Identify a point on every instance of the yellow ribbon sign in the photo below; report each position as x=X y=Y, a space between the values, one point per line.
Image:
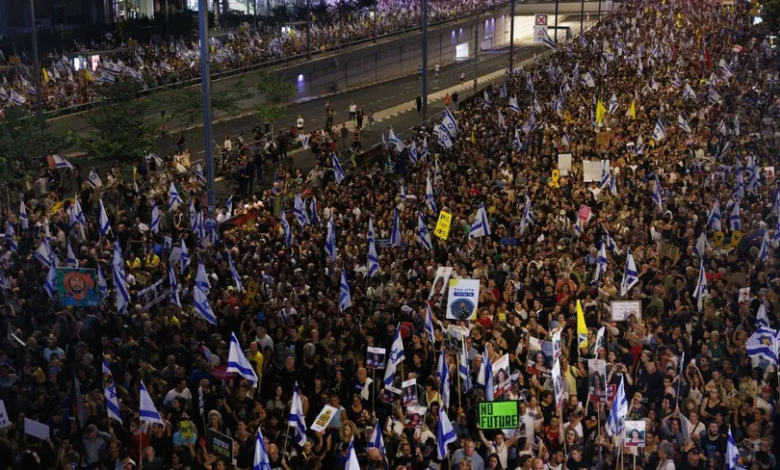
x=556 y=175
x=443 y=225
x=718 y=239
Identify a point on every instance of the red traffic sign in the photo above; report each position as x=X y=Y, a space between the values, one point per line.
x=541 y=20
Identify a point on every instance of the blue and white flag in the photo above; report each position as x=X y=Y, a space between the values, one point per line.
x=683 y=124
x=17 y=99
x=445 y=434
x=376 y=440
x=514 y=105
x=70 y=259
x=485 y=376
x=121 y=295
x=202 y=306
x=112 y=402
x=202 y=279
x=174 y=286
x=77 y=215
x=613 y=104
x=763 y=252
x=397 y=354
x=423 y=235
x=297 y=418
x=732 y=454
x=50 y=283
x=735 y=219
x=528 y=215
x=530 y=124
x=700 y=248
x=424 y=148
x=338 y=171
x=616 y=419
x=630 y=275
x=352 y=460
x=714 y=219
x=384 y=141
x=676 y=82
x=315 y=218
x=762 y=317
x=345 y=297
x=94 y=179
x=45 y=254
x=156 y=218
x=287 y=232
x=702 y=289
x=443 y=374
x=202 y=176
x=714 y=98
x=659 y=133
x=486 y=98
x=103 y=225
x=430 y=199
x=501 y=122
x=658 y=197
x=4 y=284
x=174 y=200
x=373 y=259
x=393 y=138
x=549 y=42
x=185 y=258
x=261 y=461
x=578 y=230
x=502 y=95
x=234 y=273
x=463 y=368
x=238 y=363
x=60 y=161
x=193 y=215
x=518 y=143
x=330 y=241
x=763 y=345
x=445 y=139
x=413 y=153
x=148 y=413
x=395 y=233
x=601 y=261
x=102 y=284
x=428 y=323
x=604 y=180
x=23 y=216
x=722 y=127
x=449 y=124
x=480 y=226
x=587 y=80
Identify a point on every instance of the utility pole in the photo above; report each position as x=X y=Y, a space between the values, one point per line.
x=38 y=94
x=556 y=21
x=308 y=29
x=203 y=13
x=216 y=14
x=599 y=18
x=582 y=16
x=425 y=59
x=376 y=17
x=476 y=51
x=511 y=37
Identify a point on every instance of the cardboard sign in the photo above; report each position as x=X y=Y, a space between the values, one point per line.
x=604 y=138
x=78 y=287
x=442 y=229
x=463 y=299
x=564 y=163
x=667 y=250
x=220 y=445
x=584 y=213
x=324 y=418
x=498 y=415
x=36 y=429
x=591 y=171
x=622 y=309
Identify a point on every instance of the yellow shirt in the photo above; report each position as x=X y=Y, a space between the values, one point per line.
x=258 y=358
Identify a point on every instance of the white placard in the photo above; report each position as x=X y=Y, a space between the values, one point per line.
x=36 y=429
x=564 y=163
x=375 y=358
x=324 y=418
x=622 y=309
x=463 y=299
x=591 y=170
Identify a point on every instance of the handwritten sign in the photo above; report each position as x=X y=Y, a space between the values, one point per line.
x=443 y=225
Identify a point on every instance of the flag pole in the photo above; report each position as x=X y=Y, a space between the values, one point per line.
x=373 y=395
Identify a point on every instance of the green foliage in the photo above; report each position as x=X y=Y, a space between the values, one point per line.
x=276 y=93
x=25 y=141
x=770 y=13
x=121 y=130
x=185 y=105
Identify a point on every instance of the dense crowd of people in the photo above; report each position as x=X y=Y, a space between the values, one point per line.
x=615 y=203
x=175 y=60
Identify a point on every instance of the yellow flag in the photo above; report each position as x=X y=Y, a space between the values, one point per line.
x=473 y=137
x=600 y=112
x=582 y=330
x=89 y=76
x=632 y=110
x=45 y=76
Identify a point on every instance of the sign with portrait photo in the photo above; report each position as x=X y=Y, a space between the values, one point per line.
x=635 y=433
x=540 y=357
x=375 y=358
x=77 y=287
x=409 y=389
x=440 y=283
x=502 y=381
x=415 y=415
x=597 y=380
x=463 y=299
x=557 y=379
x=623 y=309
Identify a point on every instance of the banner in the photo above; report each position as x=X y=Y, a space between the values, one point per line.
x=77 y=287
x=323 y=419
x=622 y=309
x=498 y=415
x=219 y=445
x=463 y=299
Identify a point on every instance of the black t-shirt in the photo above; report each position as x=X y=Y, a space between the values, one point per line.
x=711 y=446
x=685 y=465
x=242 y=408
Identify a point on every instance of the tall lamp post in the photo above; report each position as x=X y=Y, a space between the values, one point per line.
x=556 y=21
x=38 y=97
x=308 y=29
x=425 y=59
x=203 y=14
x=511 y=37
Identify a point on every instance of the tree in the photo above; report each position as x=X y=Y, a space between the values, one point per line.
x=185 y=105
x=276 y=93
x=770 y=12
x=25 y=141
x=122 y=130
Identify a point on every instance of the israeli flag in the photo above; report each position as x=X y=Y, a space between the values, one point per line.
x=17 y=99
x=298 y=419
x=148 y=412
x=480 y=227
x=121 y=295
x=700 y=248
x=630 y=274
x=578 y=228
x=424 y=149
x=516 y=140
x=587 y=80
x=732 y=451
x=503 y=91
x=601 y=262
x=736 y=125
x=10 y=233
x=94 y=179
x=617 y=417
x=443 y=374
x=393 y=138
x=102 y=284
x=514 y=105
x=376 y=440
x=537 y=107
x=683 y=124
x=735 y=218
x=70 y=260
x=185 y=258
x=613 y=104
x=397 y=354
x=604 y=174
x=528 y=215
x=45 y=254
x=173 y=197
x=676 y=82
x=659 y=133
x=688 y=92
x=722 y=127
x=315 y=218
x=423 y=236
x=103 y=224
x=714 y=98
x=428 y=325
x=77 y=215
x=639 y=148
x=345 y=298
x=449 y=123
x=485 y=376
x=445 y=140
x=286 y=231
x=701 y=287
x=725 y=69
x=530 y=125
x=714 y=219
x=200 y=175
x=373 y=259
x=261 y=461
x=658 y=198
x=762 y=318
x=330 y=241
x=156 y=218
x=763 y=253
x=445 y=434
x=304 y=139
x=174 y=286
x=549 y=42
x=201 y=304
x=463 y=368
x=50 y=283
x=238 y=363
x=338 y=170
x=23 y=216
x=430 y=199
x=486 y=98
x=112 y=402
x=395 y=234
x=613 y=186
x=763 y=344
x=384 y=141
x=201 y=279
x=413 y=152
x=501 y=122
x=193 y=217
x=352 y=460
x=3 y=281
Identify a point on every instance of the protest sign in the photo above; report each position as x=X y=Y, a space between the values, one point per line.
x=463 y=299
x=77 y=287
